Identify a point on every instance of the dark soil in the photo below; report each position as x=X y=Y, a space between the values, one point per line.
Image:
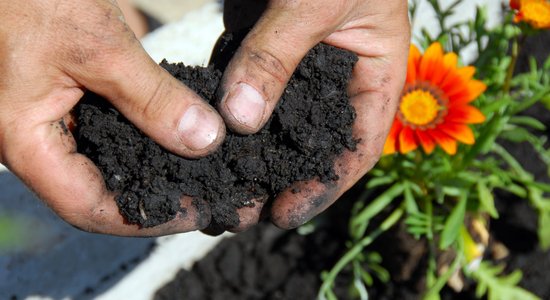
x=264 y=263
x=309 y=128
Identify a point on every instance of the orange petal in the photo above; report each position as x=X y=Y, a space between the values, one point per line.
x=448 y=65
x=412 y=64
x=460 y=132
x=452 y=83
x=459 y=84
x=390 y=146
x=466 y=73
x=407 y=142
x=414 y=54
x=426 y=141
x=465 y=114
x=447 y=143
x=474 y=88
x=450 y=60
x=431 y=63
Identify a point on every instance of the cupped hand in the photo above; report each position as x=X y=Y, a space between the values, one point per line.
x=50 y=53
x=377 y=31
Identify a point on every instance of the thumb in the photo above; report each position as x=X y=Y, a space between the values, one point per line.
x=259 y=71
x=159 y=105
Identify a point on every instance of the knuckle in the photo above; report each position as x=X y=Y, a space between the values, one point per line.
x=269 y=64
x=155 y=104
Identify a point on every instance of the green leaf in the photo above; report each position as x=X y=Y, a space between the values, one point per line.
x=453 y=223
x=539 y=96
x=493 y=106
x=545 y=187
x=378 y=204
x=486 y=138
x=490 y=281
x=379 y=181
x=486 y=199
x=546 y=65
x=358 y=282
x=516 y=134
x=410 y=203
x=544 y=230
x=528 y=121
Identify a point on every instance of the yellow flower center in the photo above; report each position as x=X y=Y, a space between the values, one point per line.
x=537 y=13
x=419 y=107
x=422 y=106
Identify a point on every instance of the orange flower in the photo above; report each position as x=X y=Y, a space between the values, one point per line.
x=435 y=104
x=534 y=12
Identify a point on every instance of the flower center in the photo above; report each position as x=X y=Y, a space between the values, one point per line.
x=422 y=106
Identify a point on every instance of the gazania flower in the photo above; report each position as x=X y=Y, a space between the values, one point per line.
x=534 y=12
x=435 y=104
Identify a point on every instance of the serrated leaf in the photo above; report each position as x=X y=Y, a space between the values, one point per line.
x=496 y=286
x=453 y=223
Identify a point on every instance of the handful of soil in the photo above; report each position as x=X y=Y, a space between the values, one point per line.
x=310 y=127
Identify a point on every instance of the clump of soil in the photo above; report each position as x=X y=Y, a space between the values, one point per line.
x=309 y=128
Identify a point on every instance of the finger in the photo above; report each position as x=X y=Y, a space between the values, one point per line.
x=44 y=157
x=375 y=103
x=248 y=216
x=259 y=71
x=116 y=67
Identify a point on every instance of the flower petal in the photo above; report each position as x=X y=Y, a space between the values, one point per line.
x=447 y=143
x=430 y=65
x=407 y=142
x=465 y=114
x=450 y=60
x=390 y=146
x=474 y=88
x=427 y=143
x=412 y=64
x=462 y=133
x=459 y=83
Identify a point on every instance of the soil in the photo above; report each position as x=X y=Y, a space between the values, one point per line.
x=309 y=128
x=267 y=263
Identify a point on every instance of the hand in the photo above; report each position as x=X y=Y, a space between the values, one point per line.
x=50 y=53
x=377 y=31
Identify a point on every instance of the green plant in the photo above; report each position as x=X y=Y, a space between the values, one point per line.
x=439 y=193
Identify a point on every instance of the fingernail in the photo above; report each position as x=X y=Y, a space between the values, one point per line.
x=246 y=105
x=199 y=127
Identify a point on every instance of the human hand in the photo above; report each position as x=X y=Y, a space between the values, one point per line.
x=50 y=53
x=378 y=32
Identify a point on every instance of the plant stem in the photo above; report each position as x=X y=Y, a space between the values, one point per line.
x=391 y=220
x=517 y=44
x=430 y=276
